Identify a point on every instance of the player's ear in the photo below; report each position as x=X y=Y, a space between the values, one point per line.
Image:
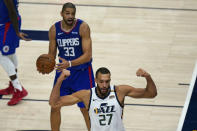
x=96 y=80
x=61 y=13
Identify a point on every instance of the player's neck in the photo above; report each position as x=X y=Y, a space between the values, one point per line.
x=67 y=27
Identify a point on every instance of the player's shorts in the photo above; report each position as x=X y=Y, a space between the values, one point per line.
x=78 y=80
x=9 y=41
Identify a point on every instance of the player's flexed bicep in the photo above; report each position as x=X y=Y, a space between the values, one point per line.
x=126 y=90
x=149 y=92
x=134 y=92
x=52 y=41
x=63 y=101
x=68 y=100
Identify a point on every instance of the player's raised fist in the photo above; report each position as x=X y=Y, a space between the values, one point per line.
x=142 y=73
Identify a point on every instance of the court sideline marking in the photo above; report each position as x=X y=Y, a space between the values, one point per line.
x=113 y=6
x=42 y=100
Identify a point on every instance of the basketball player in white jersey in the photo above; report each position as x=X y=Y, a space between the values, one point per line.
x=104 y=102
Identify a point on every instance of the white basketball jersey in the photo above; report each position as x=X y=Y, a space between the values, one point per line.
x=105 y=114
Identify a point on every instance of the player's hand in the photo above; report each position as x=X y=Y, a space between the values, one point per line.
x=63 y=65
x=142 y=73
x=23 y=36
x=65 y=73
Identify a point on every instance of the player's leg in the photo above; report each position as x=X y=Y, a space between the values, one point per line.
x=14 y=60
x=55 y=116
x=85 y=80
x=3 y=49
x=9 y=42
x=20 y=91
x=14 y=77
x=84 y=111
x=55 y=119
x=9 y=65
x=10 y=68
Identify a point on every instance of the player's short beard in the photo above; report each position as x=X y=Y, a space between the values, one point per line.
x=103 y=94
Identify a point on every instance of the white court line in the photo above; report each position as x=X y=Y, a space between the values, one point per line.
x=189 y=93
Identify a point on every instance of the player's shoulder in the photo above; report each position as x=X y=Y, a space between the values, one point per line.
x=84 y=29
x=84 y=25
x=52 y=32
x=52 y=28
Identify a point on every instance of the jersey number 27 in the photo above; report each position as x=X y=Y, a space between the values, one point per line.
x=103 y=119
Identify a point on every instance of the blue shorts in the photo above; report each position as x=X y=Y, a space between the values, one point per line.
x=9 y=41
x=78 y=80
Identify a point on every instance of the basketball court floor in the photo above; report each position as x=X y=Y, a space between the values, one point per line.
x=156 y=35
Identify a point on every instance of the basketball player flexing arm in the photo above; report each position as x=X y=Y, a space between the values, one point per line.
x=72 y=38
x=10 y=23
x=104 y=102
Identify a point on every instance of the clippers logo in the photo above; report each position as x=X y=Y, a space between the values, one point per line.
x=6 y=49
x=68 y=42
x=104 y=108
